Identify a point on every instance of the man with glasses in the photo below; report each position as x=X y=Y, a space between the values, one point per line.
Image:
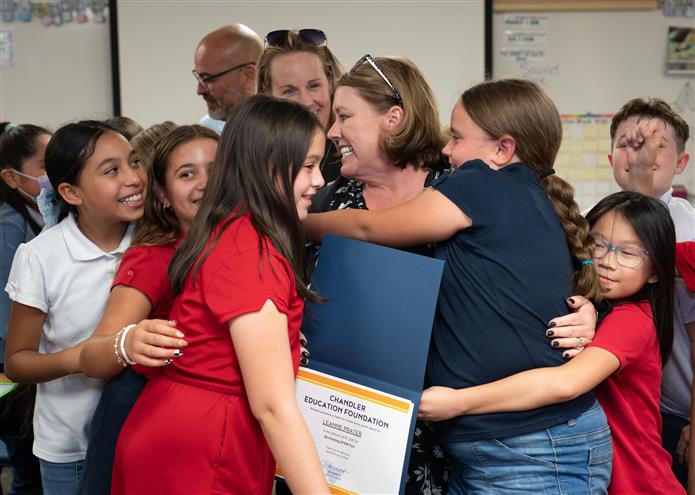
x=225 y=68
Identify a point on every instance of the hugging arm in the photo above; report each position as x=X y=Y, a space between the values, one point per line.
x=523 y=391
x=429 y=217
x=149 y=343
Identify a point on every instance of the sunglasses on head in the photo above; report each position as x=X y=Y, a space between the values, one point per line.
x=281 y=36
x=368 y=59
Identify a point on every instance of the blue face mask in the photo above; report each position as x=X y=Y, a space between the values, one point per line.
x=37 y=179
x=48 y=203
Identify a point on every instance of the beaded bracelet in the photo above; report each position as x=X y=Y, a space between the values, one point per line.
x=124 y=333
x=119 y=359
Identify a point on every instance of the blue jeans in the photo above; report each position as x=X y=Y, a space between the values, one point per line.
x=571 y=458
x=60 y=478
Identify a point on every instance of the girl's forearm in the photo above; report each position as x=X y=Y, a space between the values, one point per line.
x=523 y=391
x=29 y=366
x=293 y=449
x=98 y=357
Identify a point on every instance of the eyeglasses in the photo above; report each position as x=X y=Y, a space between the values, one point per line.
x=281 y=37
x=627 y=256
x=205 y=79
x=368 y=58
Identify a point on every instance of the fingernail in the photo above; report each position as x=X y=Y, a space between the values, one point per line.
x=178 y=353
x=305 y=354
x=549 y=333
x=551 y=324
x=570 y=300
x=168 y=361
x=304 y=361
x=302 y=341
x=179 y=334
x=565 y=355
x=182 y=343
x=173 y=322
x=555 y=343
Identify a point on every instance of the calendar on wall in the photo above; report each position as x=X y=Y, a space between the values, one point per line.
x=583 y=157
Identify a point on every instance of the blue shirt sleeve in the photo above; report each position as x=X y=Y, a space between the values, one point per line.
x=11 y=236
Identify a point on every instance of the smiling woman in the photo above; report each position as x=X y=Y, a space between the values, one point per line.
x=299 y=66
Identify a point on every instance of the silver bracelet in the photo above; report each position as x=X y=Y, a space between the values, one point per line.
x=124 y=354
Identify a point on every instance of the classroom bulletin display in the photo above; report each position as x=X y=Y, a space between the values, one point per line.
x=583 y=157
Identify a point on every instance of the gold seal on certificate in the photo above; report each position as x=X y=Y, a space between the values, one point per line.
x=361 y=434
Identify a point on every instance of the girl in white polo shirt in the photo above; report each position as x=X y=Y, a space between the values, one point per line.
x=59 y=284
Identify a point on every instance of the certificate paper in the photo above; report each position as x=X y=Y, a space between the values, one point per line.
x=361 y=434
x=368 y=345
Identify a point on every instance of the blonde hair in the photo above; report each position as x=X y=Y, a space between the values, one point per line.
x=522 y=110
x=143 y=142
x=294 y=44
x=418 y=139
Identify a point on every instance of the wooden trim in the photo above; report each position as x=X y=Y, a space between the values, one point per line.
x=568 y=5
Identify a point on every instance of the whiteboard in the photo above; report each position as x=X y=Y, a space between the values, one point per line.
x=596 y=61
x=60 y=74
x=157 y=39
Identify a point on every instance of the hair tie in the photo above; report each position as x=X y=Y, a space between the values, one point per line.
x=550 y=172
x=9 y=127
x=587 y=262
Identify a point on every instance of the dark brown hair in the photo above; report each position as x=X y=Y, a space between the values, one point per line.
x=651 y=109
x=158 y=225
x=262 y=149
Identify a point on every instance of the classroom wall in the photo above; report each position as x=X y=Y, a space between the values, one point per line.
x=593 y=63
x=157 y=40
x=60 y=74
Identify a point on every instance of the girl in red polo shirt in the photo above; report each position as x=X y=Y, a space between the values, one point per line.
x=633 y=256
x=219 y=417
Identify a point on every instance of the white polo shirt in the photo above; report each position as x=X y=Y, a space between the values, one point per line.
x=66 y=276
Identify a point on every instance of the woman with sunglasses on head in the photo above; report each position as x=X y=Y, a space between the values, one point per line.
x=298 y=65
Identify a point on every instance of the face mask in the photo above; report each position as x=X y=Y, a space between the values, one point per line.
x=41 y=179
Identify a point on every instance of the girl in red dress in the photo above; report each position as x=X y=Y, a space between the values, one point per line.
x=217 y=419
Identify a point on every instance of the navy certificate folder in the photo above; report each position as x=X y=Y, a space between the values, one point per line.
x=375 y=326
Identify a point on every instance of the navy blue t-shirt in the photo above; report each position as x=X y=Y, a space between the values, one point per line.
x=504 y=278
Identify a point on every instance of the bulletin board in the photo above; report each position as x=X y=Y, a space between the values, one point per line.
x=591 y=63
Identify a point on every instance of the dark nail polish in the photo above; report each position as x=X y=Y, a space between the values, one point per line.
x=178 y=353
x=168 y=361
x=570 y=300
x=565 y=355
x=304 y=361
x=305 y=354
x=302 y=341
x=551 y=324
x=549 y=333
x=555 y=343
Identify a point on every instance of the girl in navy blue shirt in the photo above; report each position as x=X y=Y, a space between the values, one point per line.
x=515 y=246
